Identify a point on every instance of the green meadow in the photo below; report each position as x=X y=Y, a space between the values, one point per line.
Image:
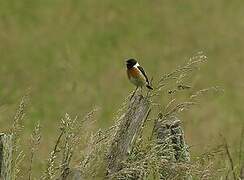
x=70 y=57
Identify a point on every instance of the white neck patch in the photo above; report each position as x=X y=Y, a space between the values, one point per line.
x=136 y=65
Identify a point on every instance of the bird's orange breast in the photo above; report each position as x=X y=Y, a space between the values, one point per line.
x=133 y=73
x=136 y=77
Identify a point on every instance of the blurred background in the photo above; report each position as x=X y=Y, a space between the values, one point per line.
x=70 y=54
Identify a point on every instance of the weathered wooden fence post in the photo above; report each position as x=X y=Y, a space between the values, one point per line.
x=169 y=131
x=6 y=152
x=130 y=125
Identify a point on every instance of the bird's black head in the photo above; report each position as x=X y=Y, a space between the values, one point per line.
x=130 y=63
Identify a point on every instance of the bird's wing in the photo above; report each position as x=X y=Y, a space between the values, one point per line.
x=143 y=72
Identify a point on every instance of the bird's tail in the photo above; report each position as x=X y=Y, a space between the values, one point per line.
x=149 y=87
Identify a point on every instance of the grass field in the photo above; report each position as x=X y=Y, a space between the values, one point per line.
x=70 y=56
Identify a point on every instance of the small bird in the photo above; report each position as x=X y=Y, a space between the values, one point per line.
x=137 y=75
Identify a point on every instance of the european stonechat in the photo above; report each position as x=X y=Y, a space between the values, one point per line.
x=137 y=75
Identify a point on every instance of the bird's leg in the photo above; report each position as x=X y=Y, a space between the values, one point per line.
x=134 y=93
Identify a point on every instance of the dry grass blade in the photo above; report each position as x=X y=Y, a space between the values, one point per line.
x=70 y=136
x=51 y=168
x=181 y=72
x=204 y=91
x=93 y=154
x=35 y=141
x=71 y=139
x=179 y=108
x=18 y=154
x=229 y=158
x=19 y=116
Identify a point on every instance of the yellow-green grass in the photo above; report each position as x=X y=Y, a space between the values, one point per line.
x=70 y=54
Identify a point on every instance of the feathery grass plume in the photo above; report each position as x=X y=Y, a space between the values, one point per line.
x=34 y=142
x=67 y=145
x=91 y=157
x=16 y=129
x=92 y=163
x=176 y=78
x=180 y=73
x=70 y=136
x=199 y=93
x=70 y=140
x=204 y=165
x=51 y=169
x=19 y=116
